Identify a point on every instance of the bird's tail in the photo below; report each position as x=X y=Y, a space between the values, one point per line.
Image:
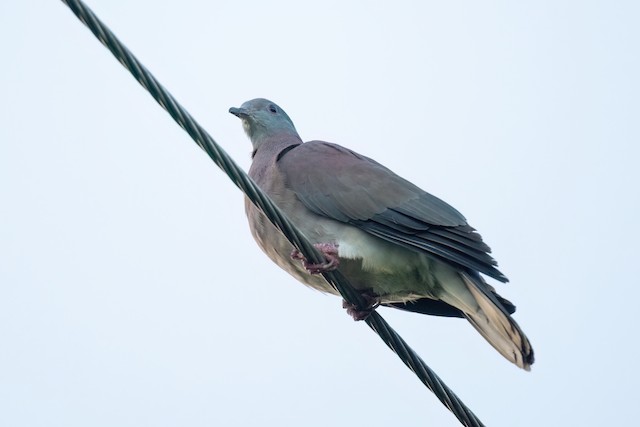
x=493 y=321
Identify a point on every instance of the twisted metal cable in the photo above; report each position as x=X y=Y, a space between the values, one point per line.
x=275 y=215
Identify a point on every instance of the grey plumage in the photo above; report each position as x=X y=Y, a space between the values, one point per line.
x=407 y=247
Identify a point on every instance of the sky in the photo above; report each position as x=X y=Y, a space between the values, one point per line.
x=131 y=291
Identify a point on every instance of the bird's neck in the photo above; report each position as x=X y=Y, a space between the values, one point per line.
x=265 y=158
x=272 y=145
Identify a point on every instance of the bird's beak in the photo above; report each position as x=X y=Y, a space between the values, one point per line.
x=239 y=112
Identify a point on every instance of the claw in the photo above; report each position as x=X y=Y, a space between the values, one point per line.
x=330 y=253
x=358 y=314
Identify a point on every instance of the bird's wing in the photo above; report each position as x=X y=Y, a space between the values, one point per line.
x=333 y=181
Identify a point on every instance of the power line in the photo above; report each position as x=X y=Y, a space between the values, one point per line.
x=275 y=215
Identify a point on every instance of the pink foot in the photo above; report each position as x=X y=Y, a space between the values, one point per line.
x=353 y=311
x=330 y=253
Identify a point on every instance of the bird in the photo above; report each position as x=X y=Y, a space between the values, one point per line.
x=397 y=245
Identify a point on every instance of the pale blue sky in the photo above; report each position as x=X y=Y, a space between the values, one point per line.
x=132 y=294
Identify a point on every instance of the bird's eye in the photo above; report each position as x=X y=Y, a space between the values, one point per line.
x=273 y=109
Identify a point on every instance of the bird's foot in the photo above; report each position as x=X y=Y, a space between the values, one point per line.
x=360 y=314
x=330 y=253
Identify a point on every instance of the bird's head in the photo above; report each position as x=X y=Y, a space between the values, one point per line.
x=263 y=119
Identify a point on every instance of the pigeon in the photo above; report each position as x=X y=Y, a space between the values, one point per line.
x=398 y=245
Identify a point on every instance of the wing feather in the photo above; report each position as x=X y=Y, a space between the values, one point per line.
x=343 y=185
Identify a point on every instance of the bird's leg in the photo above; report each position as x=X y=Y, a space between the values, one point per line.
x=330 y=253
x=372 y=303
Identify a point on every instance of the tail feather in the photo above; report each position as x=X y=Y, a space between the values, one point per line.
x=496 y=325
x=488 y=315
